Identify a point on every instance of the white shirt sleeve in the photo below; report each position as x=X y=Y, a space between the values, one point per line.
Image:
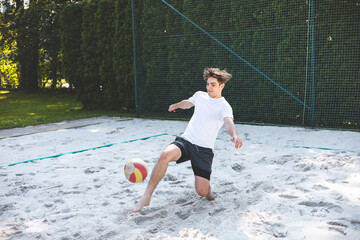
x=227 y=112
x=194 y=97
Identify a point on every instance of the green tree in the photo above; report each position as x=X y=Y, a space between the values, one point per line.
x=104 y=19
x=123 y=65
x=21 y=25
x=9 y=21
x=195 y=45
x=290 y=73
x=70 y=36
x=153 y=55
x=337 y=45
x=8 y=68
x=50 y=41
x=34 y=28
x=90 y=88
x=175 y=59
x=243 y=25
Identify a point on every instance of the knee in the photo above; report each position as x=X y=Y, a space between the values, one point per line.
x=165 y=156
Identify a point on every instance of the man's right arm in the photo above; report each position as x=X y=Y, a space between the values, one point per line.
x=184 y=104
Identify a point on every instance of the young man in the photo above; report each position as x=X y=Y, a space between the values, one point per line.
x=197 y=142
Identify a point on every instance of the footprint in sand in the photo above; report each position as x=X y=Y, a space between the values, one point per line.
x=5 y=208
x=338 y=227
x=278 y=230
x=237 y=167
x=183 y=214
x=217 y=211
x=316 y=204
x=303 y=167
x=327 y=206
x=355 y=224
x=92 y=170
x=287 y=196
x=169 y=177
x=147 y=216
x=285 y=158
x=61 y=201
x=261 y=185
x=319 y=187
x=184 y=202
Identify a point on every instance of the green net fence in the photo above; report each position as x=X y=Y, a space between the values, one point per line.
x=293 y=62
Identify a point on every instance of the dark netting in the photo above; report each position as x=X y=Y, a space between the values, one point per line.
x=292 y=62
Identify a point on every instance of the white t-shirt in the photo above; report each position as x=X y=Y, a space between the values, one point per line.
x=207 y=119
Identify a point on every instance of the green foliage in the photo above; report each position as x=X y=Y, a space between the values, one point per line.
x=22 y=26
x=105 y=37
x=9 y=77
x=50 y=43
x=90 y=89
x=123 y=61
x=97 y=53
x=338 y=70
x=154 y=51
x=89 y=43
x=35 y=31
x=70 y=36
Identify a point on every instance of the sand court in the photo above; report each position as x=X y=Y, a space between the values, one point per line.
x=285 y=182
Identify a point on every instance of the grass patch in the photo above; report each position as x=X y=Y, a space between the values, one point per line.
x=21 y=108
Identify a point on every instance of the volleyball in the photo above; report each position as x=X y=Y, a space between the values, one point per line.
x=135 y=170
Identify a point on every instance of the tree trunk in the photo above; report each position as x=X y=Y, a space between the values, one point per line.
x=32 y=73
x=22 y=75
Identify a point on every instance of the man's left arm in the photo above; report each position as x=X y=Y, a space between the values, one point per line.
x=231 y=130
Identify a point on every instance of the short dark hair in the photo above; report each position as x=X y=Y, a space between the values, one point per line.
x=221 y=75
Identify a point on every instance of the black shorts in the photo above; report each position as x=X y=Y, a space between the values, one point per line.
x=201 y=158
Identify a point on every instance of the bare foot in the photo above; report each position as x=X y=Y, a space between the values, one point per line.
x=142 y=203
x=210 y=196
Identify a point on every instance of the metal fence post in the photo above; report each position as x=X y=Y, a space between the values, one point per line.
x=313 y=122
x=134 y=55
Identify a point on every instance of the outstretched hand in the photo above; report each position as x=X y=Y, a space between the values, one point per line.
x=172 y=108
x=184 y=104
x=237 y=141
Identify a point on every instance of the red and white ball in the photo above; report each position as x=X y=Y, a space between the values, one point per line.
x=135 y=170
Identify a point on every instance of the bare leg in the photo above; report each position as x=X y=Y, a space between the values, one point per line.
x=170 y=153
x=202 y=186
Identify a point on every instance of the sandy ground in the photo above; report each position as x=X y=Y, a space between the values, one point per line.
x=284 y=183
